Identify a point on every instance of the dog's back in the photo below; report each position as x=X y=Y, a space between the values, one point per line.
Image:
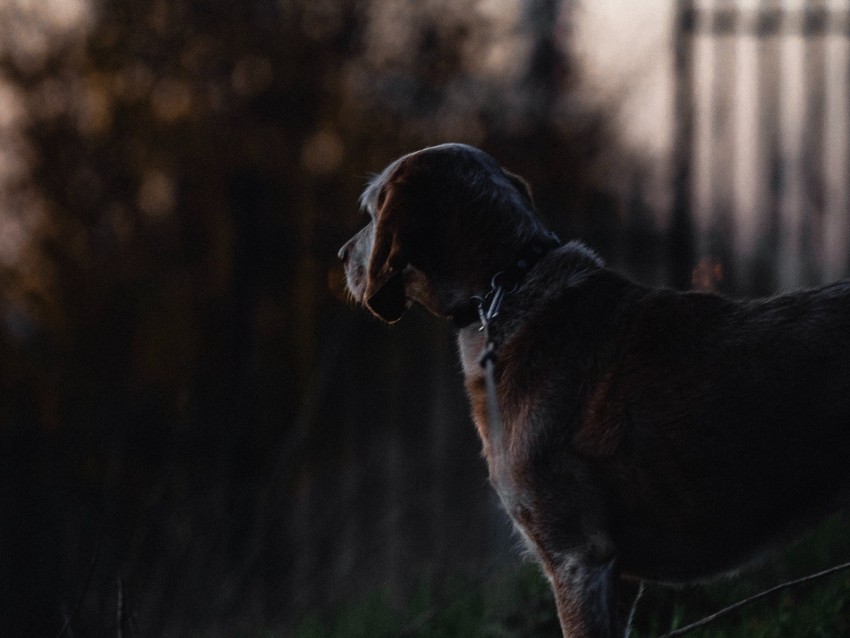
x=710 y=429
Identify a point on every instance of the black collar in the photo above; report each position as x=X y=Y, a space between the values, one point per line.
x=509 y=279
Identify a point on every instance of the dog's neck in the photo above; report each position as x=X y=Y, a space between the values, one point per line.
x=509 y=278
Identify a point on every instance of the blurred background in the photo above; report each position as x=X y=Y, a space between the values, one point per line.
x=199 y=435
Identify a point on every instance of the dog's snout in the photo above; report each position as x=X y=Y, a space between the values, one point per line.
x=343 y=252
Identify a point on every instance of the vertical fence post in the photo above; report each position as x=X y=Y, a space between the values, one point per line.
x=723 y=106
x=836 y=227
x=747 y=170
x=812 y=164
x=681 y=225
x=767 y=177
x=789 y=264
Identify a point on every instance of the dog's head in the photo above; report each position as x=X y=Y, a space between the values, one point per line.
x=443 y=221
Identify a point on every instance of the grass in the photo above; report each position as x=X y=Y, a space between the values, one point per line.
x=520 y=605
x=819 y=608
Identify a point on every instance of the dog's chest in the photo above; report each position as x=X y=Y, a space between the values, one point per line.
x=471 y=345
x=496 y=430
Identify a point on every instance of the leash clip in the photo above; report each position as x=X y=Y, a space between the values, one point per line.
x=488 y=309
x=495 y=296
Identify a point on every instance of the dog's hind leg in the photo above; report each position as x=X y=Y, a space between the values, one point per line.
x=586 y=593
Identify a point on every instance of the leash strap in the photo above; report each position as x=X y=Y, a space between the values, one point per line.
x=488 y=310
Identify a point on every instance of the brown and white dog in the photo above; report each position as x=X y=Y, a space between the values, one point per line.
x=649 y=433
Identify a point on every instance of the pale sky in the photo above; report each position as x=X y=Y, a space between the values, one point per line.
x=625 y=48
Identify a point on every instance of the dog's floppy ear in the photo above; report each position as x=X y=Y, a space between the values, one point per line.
x=520 y=184
x=385 y=295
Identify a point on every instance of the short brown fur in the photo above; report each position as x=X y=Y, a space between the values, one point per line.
x=646 y=432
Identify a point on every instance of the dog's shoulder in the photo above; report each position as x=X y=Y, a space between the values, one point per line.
x=573 y=289
x=570 y=264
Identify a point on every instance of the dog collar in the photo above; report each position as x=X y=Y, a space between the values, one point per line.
x=503 y=282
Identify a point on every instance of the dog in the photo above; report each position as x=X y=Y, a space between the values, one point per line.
x=640 y=433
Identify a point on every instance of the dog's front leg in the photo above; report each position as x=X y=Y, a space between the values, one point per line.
x=587 y=597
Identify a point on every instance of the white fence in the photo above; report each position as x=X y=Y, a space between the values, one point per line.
x=763 y=95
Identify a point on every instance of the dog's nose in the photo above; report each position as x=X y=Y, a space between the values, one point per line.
x=343 y=252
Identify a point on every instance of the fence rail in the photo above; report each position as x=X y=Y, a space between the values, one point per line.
x=767 y=20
